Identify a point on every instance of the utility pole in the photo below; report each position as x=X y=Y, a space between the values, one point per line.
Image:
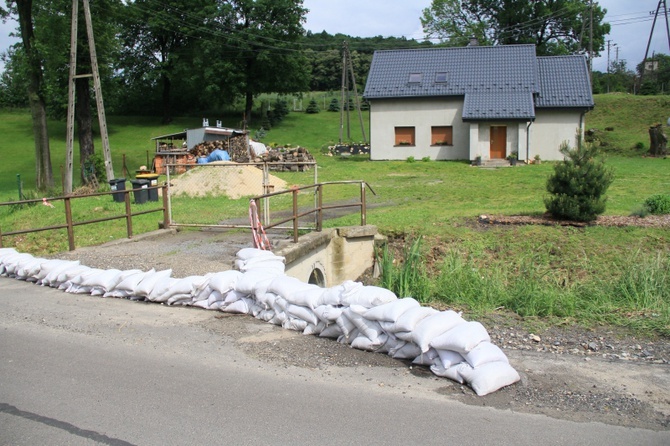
x=661 y=3
x=348 y=64
x=609 y=45
x=591 y=40
x=69 y=138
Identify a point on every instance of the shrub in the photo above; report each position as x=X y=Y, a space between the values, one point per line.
x=658 y=204
x=312 y=107
x=578 y=185
x=406 y=278
x=334 y=105
x=410 y=159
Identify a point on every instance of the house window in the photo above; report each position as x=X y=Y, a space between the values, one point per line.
x=441 y=77
x=404 y=136
x=415 y=78
x=441 y=135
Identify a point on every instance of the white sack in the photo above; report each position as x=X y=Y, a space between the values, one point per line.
x=294 y=324
x=406 y=350
x=428 y=358
x=303 y=313
x=364 y=343
x=483 y=353
x=224 y=281
x=250 y=253
x=408 y=320
x=490 y=377
x=368 y=296
x=146 y=285
x=392 y=310
x=449 y=358
x=462 y=338
x=331 y=331
x=432 y=326
x=328 y=313
x=453 y=373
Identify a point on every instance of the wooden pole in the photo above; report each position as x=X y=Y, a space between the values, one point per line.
x=69 y=136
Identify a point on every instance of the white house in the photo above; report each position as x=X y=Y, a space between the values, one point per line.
x=460 y=103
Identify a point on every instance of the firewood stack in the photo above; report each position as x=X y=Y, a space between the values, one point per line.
x=235 y=146
x=292 y=157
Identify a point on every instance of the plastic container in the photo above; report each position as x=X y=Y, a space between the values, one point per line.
x=153 y=181
x=118 y=184
x=141 y=193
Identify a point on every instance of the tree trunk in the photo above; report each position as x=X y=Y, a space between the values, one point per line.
x=84 y=124
x=657 y=140
x=248 y=106
x=44 y=174
x=167 y=112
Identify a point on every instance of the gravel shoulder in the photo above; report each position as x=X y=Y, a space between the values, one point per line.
x=568 y=372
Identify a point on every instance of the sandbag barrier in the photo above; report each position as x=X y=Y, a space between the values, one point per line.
x=365 y=317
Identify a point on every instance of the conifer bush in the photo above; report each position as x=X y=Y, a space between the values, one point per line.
x=312 y=107
x=578 y=185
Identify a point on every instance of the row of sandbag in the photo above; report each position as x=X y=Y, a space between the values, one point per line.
x=365 y=317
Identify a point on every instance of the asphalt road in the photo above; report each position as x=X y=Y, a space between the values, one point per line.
x=81 y=370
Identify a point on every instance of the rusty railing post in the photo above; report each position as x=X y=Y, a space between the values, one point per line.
x=295 y=215
x=319 y=213
x=363 y=205
x=68 y=221
x=129 y=219
x=166 y=212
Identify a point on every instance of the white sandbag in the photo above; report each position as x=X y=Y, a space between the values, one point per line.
x=241 y=306
x=364 y=343
x=371 y=329
x=332 y=296
x=429 y=328
x=266 y=315
x=483 y=353
x=104 y=280
x=146 y=285
x=250 y=253
x=51 y=278
x=180 y=299
x=29 y=269
x=278 y=318
x=490 y=377
x=273 y=262
x=392 y=310
x=13 y=261
x=309 y=296
x=224 y=281
x=331 y=331
x=130 y=282
x=428 y=358
x=184 y=286
x=328 y=313
x=345 y=324
x=406 y=350
x=161 y=290
x=204 y=304
x=453 y=373
x=462 y=338
x=304 y=313
x=294 y=324
x=408 y=320
x=285 y=286
x=214 y=296
x=312 y=329
x=391 y=343
x=267 y=299
x=205 y=293
x=449 y=358
x=70 y=273
x=232 y=297
x=261 y=288
x=246 y=284
x=368 y=296
x=404 y=335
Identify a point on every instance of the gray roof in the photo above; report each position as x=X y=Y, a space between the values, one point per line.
x=564 y=82
x=498 y=82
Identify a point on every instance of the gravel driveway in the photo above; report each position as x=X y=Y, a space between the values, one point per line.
x=570 y=373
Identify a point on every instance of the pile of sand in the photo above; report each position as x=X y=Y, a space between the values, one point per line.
x=223 y=178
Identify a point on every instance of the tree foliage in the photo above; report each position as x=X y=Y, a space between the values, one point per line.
x=578 y=185
x=554 y=26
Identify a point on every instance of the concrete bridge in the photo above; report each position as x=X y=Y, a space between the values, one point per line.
x=331 y=256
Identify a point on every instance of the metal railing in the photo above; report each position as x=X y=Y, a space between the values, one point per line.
x=70 y=224
x=318 y=209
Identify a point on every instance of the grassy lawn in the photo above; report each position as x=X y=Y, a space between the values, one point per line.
x=588 y=275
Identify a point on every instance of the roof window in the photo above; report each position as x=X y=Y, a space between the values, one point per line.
x=441 y=77
x=415 y=78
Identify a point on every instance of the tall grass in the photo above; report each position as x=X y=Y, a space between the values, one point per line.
x=406 y=277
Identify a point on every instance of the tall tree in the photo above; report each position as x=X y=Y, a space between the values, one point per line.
x=554 y=26
x=262 y=47
x=44 y=175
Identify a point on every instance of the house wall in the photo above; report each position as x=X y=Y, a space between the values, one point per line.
x=550 y=129
x=421 y=114
x=470 y=139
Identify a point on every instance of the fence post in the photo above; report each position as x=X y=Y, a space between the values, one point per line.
x=295 y=215
x=166 y=211
x=129 y=219
x=319 y=203
x=68 y=220
x=363 y=206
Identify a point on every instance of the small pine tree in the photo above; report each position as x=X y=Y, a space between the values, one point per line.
x=312 y=107
x=334 y=105
x=578 y=185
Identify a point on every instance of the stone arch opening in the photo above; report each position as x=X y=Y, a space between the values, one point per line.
x=317 y=278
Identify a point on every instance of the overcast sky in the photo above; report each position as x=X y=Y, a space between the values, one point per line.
x=631 y=22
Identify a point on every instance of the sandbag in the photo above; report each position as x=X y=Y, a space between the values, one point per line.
x=328 y=313
x=408 y=320
x=449 y=358
x=364 y=343
x=391 y=311
x=432 y=326
x=462 y=338
x=370 y=329
x=224 y=281
x=331 y=331
x=489 y=377
x=453 y=373
x=303 y=313
x=406 y=350
x=250 y=253
x=483 y=353
x=368 y=296
x=428 y=358
x=146 y=285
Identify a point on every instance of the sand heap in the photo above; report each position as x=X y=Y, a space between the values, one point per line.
x=223 y=178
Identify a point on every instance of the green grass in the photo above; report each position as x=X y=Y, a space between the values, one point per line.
x=591 y=275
